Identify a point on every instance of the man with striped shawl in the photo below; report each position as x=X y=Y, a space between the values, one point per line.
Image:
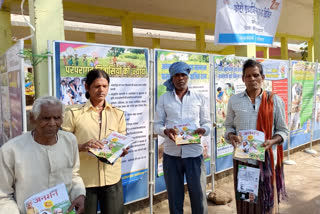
x=264 y=111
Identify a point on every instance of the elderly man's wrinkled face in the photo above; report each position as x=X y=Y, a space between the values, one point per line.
x=180 y=81
x=49 y=120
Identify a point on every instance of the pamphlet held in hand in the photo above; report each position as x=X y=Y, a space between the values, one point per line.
x=250 y=147
x=185 y=134
x=53 y=200
x=113 y=146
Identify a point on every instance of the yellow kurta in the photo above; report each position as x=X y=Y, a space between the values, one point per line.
x=83 y=122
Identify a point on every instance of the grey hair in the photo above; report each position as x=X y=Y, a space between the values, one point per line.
x=36 y=108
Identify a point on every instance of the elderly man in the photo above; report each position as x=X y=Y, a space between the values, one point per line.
x=260 y=110
x=40 y=159
x=177 y=106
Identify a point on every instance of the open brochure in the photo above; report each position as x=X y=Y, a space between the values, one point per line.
x=113 y=146
x=250 y=147
x=248 y=183
x=53 y=200
x=185 y=134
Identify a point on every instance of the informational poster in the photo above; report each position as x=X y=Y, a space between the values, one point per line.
x=276 y=78
x=128 y=90
x=302 y=96
x=228 y=81
x=199 y=81
x=15 y=89
x=316 y=125
x=240 y=22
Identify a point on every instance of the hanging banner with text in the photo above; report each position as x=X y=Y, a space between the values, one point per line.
x=240 y=22
x=199 y=81
x=128 y=90
x=228 y=81
x=302 y=96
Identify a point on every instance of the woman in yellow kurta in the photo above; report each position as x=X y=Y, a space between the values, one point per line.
x=90 y=123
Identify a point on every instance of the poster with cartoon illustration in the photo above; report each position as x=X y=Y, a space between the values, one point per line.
x=228 y=81
x=127 y=68
x=302 y=95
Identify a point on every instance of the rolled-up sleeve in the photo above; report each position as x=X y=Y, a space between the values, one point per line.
x=280 y=126
x=78 y=187
x=7 y=201
x=205 y=121
x=160 y=118
x=229 y=122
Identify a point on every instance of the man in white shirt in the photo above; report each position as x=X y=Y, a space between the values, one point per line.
x=40 y=159
x=177 y=106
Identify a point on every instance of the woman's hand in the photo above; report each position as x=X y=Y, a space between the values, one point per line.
x=94 y=144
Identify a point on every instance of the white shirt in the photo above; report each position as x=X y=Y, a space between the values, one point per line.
x=171 y=111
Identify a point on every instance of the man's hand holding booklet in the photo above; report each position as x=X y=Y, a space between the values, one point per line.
x=250 y=146
x=113 y=147
x=185 y=134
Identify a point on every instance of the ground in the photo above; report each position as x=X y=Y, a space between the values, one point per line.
x=302 y=182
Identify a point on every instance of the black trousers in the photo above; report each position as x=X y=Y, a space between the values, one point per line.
x=110 y=198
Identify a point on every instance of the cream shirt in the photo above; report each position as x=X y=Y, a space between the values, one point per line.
x=83 y=122
x=27 y=168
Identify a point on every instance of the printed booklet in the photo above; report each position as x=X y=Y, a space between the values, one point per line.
x=113 y=146
x=53 y=200
x=185 y=134
x=250 y=147
x=248 y=183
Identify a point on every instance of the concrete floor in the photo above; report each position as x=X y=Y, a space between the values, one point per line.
x=302 y=182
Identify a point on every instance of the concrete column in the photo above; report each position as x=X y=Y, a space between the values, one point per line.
x=5 y=31
x=266 y=52
x=47 y=18
x=91 y=37
x=200 y=39
x=284 y=48
x=310 y=51
x=245 y=50
x=155 y=42
x=316 y=29
x=127 y=31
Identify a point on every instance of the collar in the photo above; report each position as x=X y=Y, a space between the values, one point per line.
x=174 y=92
x=244 y=94
x=88 y=105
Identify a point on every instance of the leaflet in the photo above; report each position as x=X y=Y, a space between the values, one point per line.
x=185 y=134
x=113 y=146
x=250 y=147
x=248 y=183
x=53 y=200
